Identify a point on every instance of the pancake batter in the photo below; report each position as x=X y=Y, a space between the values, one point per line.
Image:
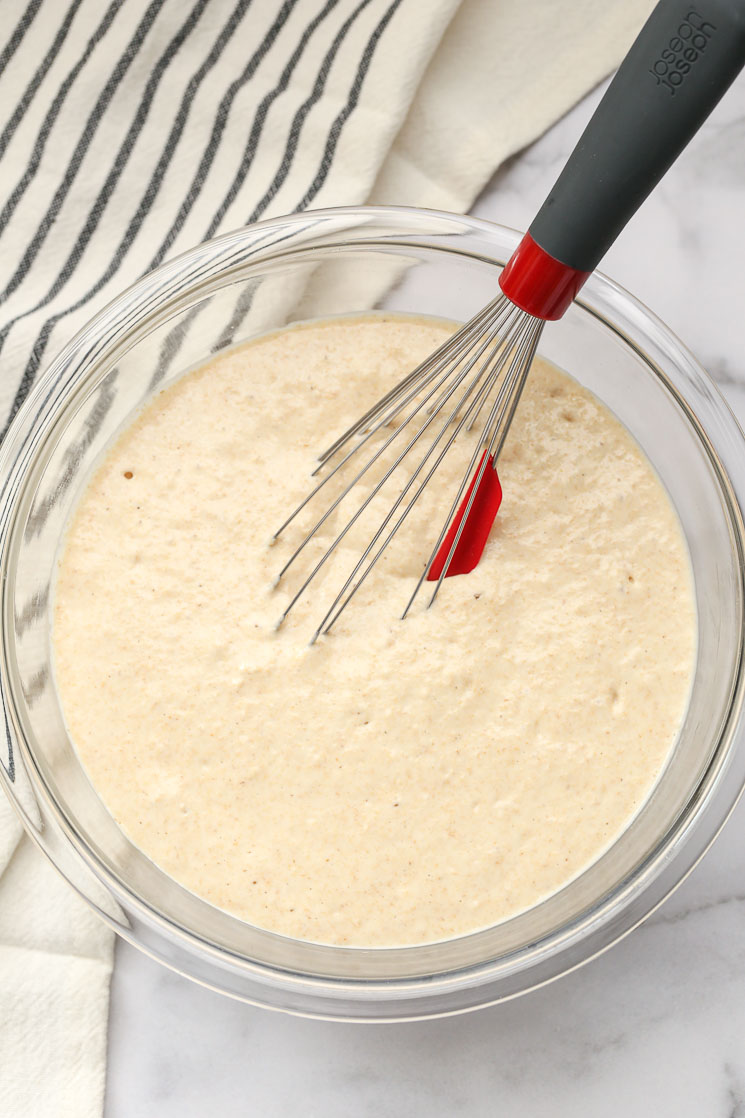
x=398 y=782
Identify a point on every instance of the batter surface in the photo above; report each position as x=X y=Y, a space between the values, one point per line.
x=398 y=782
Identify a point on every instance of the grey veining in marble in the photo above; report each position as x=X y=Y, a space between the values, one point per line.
x=656 y=1026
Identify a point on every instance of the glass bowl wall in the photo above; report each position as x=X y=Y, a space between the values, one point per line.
x=230 y=290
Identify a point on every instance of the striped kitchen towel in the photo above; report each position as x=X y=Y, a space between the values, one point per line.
x=132 y=129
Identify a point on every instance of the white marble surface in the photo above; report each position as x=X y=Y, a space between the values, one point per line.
x=654 y=1027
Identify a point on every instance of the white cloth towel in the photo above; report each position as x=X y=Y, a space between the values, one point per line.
x=131 y=129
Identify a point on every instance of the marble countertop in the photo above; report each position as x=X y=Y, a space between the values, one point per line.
x=656 y=1026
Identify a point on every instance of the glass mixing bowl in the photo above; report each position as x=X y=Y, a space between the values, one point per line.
x=228 y=290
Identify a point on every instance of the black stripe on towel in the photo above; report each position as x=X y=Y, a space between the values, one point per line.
x=191 y=91
x=54 y=109
x=346 y=112
x=280 y=177
x=244 y=301
x=254 y=136
x=38 y=77
x=176 y=336
x=297 y=124
x=126 y=148
x=148 y=198
x=18 y=32
x=10 y=765
x=213 y=144
x=96 y=211
x=95 y=118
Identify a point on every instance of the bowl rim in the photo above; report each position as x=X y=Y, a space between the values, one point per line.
x=591 y=929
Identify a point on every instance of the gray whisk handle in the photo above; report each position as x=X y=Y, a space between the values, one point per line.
x=682 y=62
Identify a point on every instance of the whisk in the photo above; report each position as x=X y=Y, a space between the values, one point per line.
x=676 y=71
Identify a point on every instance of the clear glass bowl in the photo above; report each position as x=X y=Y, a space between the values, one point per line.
x=230 y=289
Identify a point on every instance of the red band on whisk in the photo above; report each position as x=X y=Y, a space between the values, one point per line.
x=538 y=283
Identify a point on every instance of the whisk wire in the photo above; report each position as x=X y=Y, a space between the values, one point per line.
x=460 y=377
x=503 y=391
x=496 y=359
x=486 y=317
x=500 y=321
x=496 y=322
x=494 y=442
x=376 y=489
x=326 y=624
x=493 y=350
